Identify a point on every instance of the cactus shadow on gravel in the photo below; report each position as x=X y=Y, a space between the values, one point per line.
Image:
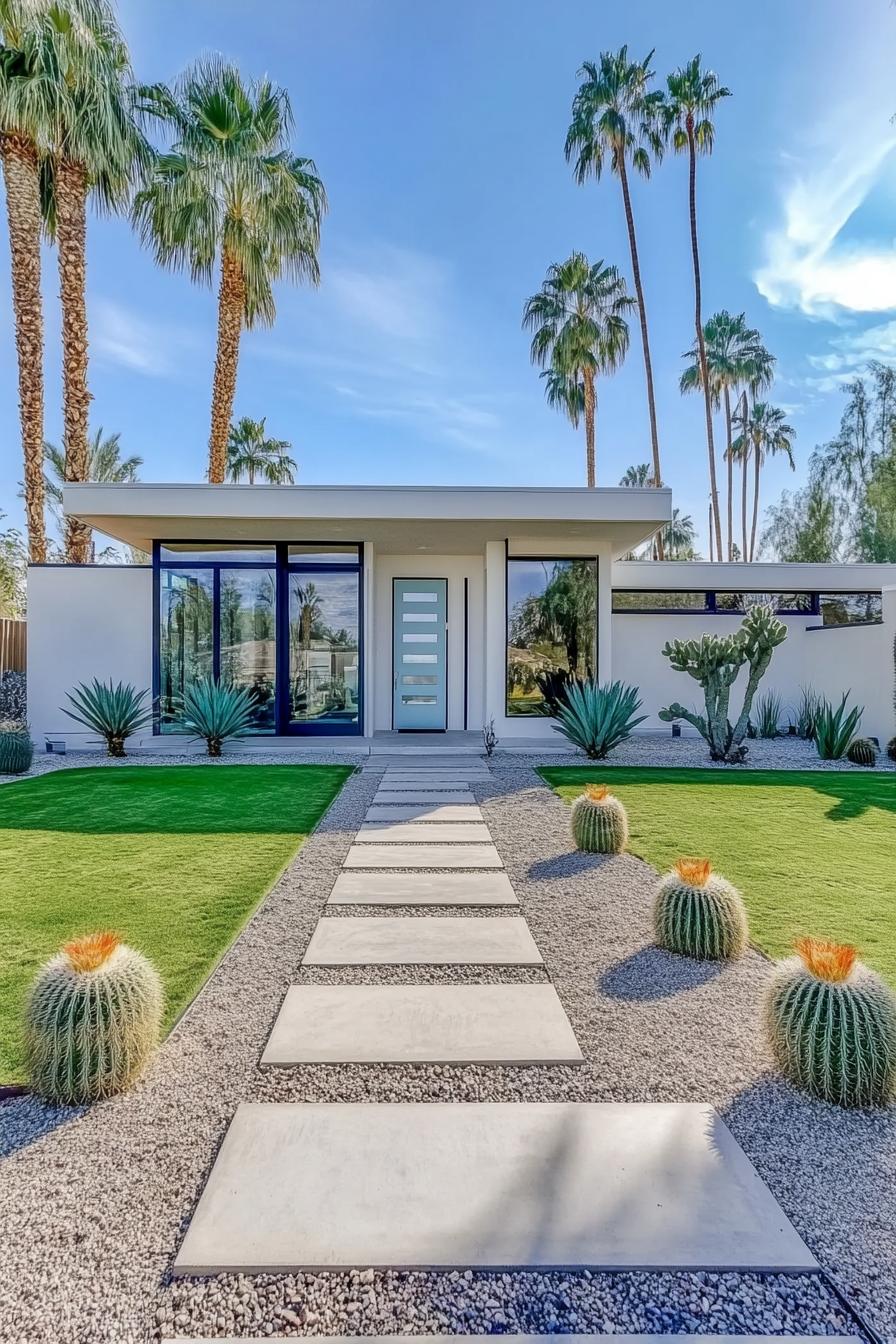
x=574 y=863
x=652 y=973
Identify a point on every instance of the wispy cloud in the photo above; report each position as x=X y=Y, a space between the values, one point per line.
x=121 y=337
x=849 y=355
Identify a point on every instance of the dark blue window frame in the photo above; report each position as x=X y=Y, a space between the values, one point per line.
x=283 y=564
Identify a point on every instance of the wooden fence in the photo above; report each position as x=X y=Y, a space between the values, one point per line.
x=12 y=645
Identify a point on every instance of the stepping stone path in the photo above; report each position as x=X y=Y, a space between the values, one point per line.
x=535 y=1185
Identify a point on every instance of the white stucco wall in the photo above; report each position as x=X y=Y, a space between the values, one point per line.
x=84 y=622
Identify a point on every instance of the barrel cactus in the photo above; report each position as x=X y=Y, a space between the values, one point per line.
x=92 y=1020
x=16 y=748
x=599 y=821
x=698 y=914
x=862 y=751
x=831 y=1025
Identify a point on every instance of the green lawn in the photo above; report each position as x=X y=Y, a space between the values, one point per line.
x=812 y=851
x=173 y=858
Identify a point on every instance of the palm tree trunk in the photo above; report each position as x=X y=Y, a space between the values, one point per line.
x=729 y=461
x=709 y=513
x=251 y=474
x=757 y=466
x=71 y=238
x=701 y=345
x=590 y=417
x=743 y=499
x=20 y=172
x=645 y=343
x=231 y=304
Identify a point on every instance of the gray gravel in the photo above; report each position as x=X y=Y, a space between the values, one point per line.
x=782 y=753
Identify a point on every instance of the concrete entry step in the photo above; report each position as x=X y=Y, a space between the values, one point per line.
x=422 y=1024
x=388 y=940
x=525 y=1339
x=434 y=776
x=464 y=888
x=424 y=832
x=485 y=1185
x=419 y=797
x=423 y=812
x=422 y=856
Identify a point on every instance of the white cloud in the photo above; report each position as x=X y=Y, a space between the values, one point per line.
x=850 y=354
x=121 y=337
x=396 y=293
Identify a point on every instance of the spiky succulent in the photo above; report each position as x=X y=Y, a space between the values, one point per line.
x=831 y=1025
x=597 y=718
x=114 y=712
x=92 y=1020
x=862 y=751
x=16 y=748
x=216 y=711
x=599 y=821
x=698 y=914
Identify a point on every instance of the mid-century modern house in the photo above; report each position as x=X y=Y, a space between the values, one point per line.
x=352 y=611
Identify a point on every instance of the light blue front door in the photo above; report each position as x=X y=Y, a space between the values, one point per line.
x=420 y=654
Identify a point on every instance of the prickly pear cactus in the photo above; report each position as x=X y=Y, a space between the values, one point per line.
x=698 y=914
x=599 y=821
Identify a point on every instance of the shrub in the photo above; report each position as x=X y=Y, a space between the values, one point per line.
x=552 y=682
x=698 y=914
x=769 y=708
x=807 y=713
x=92 y=1020
x=215 y=711
x=831 y=1025
x=891 y=748
x=861 y=751
x=714 y=663
x=489 y=737
x=598 y=718
x=115 y=712
x=16 y=747
x=13 y=696
x=835 y=728
x=599 y=821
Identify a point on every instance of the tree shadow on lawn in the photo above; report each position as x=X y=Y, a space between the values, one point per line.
x=652 y=973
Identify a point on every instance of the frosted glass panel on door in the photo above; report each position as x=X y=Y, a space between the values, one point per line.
x=420 y=658
x=419 y=597
x=419 y=639
x=419 y=616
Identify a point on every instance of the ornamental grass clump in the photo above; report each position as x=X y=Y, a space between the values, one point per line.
x=698 y=914
x=831 y=1025
x=16 y=748
x=862 y=751
x=599 y=821
x=92 y=1020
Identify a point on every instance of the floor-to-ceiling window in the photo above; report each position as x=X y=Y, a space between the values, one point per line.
x=282 y=621
x=551 y=626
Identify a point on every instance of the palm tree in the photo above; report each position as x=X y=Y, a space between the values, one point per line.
x=735 y=357
x=678 y=536
x=230 y=191
x=765 y=434
x=578 y=320
x=693 y=94
x=28 y=120
x=104 y=464
x=614 y=117
x=637 y=478
x=250 y=453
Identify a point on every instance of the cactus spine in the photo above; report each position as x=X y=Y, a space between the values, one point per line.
x=16 y=748
x=831 y=1025
x=599 y=821
x=92 y=1020
x=698 y=914
x=862 y=751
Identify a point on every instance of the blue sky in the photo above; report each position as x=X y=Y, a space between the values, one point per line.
x=439 y=131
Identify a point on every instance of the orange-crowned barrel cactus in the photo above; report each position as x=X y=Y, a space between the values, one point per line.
x=92 y=1020
x=599 y=821
x=698 y=914
x=831 y=1025
x=714 y=662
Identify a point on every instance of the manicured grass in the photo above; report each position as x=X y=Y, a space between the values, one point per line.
x=812 y=851
x=173 y=858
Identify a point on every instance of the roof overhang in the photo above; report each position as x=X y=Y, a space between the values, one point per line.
x=758 y=576
x=440 y=519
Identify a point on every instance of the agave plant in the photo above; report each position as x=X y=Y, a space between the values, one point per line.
x=835 y=728
x=115 y=712
x=597 y=718
x=552 y=682
x=216 y=711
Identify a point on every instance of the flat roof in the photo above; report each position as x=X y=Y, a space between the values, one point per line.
x=439 y=518
x=755 y=576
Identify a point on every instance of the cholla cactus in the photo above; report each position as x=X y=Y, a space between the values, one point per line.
x=862 y=751
x=16 y=748
x=92 y=1020
x=831 y=1025
x=599 y=821
x=715 y=662
x=698 y=914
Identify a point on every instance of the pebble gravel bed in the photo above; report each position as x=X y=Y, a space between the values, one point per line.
x=660 y=749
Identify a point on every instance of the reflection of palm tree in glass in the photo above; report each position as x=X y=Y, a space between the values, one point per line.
x=564 y=613
x=310 y=612
x=187 y=635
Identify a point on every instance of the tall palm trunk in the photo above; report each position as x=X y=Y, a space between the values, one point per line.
x=645 y=344
x=743 y=498
x=20 y=171
x=709 y=515
x=71 y=238
x=728 y=458
x=590 y=417
x=701 y=344
x=231 y=304
x=757 y=468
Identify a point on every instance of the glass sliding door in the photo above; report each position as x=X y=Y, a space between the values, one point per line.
x=247 y=628
x=186 y=638
x=324 y=651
